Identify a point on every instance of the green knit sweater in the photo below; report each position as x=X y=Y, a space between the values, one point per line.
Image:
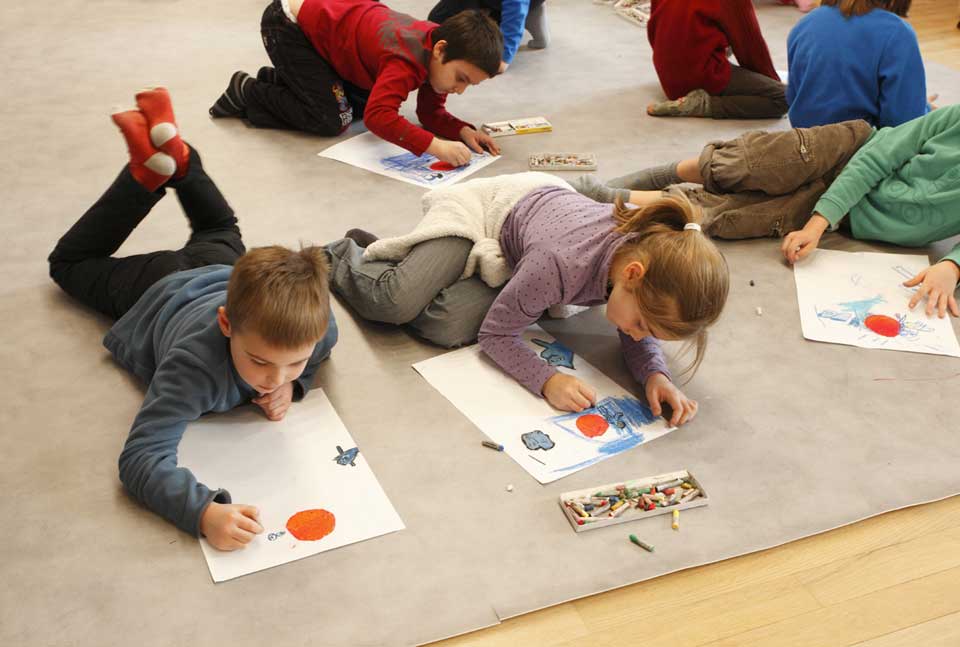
x=903 y=185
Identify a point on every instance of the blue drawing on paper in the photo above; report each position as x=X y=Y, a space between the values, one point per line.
x=425 y=168
x=536 y=439
x=555 y=353
x=856 y=314
x=614 y=425
x=346 y=457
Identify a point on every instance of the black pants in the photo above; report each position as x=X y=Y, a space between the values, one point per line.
x=82 y=264
x=307 y=95
x=448 y=8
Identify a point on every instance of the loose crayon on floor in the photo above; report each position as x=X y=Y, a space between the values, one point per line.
x=492 y=445
x=676 y=520
x=642 y=544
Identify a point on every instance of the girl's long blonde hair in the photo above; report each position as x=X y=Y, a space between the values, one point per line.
x=687 y=279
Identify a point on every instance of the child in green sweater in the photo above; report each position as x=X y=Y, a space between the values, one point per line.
x=898 y=185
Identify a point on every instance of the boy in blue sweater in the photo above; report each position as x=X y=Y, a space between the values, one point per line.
x=855 y=59
x=513 y=16
x=207 y=327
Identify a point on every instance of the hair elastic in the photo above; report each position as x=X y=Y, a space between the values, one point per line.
x=692 y=225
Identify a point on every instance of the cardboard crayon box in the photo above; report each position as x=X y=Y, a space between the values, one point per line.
x=614 y=503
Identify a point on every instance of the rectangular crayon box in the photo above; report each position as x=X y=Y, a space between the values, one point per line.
x=562 y=162
x=517 y=127
x=602 y=518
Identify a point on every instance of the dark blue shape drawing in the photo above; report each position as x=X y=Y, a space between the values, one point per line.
x=555 y=353
x=346 y=457
x=625 y=415
x=536 y=439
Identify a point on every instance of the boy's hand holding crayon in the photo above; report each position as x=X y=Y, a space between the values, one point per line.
x=567 y=393
x=229 y=526
x=797 y=245
x=454 y=153
x=276 y=403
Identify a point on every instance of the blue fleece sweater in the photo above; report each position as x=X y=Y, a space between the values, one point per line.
x=513 y=18
x=171 y=340
x=862 y=67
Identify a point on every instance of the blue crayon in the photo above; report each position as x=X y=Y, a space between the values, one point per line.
x=492 y=445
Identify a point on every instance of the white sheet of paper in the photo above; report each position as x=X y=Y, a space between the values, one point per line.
x=284 y=468
x=369 y=152
x=858 y=299
x=547 y=443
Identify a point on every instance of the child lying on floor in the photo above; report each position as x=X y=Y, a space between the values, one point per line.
x=536 y=243
x=898 y=185
x=208 y=327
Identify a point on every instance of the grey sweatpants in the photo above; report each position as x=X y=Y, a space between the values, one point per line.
x=749 y=95
x=423 y=291
x=759 y=184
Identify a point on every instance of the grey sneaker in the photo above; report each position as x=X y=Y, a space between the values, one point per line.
x=695 y=104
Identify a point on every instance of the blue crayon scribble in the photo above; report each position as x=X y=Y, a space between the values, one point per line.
x=418 y=167
x=625 y=415
x=346 y=457
x=555 y=353
x=536 y=439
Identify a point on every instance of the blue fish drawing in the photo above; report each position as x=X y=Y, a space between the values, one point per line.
x=346 y=457
x=555 y=353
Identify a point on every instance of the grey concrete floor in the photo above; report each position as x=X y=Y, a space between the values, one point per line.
x=81 y=564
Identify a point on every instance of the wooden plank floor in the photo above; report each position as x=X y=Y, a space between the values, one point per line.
x=890 y=581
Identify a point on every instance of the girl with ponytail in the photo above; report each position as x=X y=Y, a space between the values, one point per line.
x=658 y=274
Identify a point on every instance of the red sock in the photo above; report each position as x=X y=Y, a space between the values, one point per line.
x=158 y=109
x=148 y=166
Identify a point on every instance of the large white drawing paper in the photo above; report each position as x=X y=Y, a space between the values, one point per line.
x=547 y=443
x=858 y=299
x=369 y=152
x=304 y=473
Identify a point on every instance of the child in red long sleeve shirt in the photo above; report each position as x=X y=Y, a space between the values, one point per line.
x=690 y=40
x=340 y=60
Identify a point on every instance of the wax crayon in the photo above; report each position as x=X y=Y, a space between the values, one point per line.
x=642 y=544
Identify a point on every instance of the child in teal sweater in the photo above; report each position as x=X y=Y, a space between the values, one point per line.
x=898 y=185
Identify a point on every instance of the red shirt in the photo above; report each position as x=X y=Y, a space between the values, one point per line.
x=386 y=52
x=690 y=39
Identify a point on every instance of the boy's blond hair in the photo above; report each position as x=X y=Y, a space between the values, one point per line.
x=687 y=279
x=281 y=294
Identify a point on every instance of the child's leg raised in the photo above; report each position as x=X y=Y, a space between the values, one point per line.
x=454 y=317
x=749 y=95
x=215 y=237
x=396 y=292
x=81 y=263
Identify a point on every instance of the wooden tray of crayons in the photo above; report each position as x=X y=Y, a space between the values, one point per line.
x=613 y=503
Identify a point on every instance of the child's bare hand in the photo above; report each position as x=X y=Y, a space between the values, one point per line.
x=275 y=404
x=567 y=393
x=455 y=153
x=797 y=245
x=937 y=284
x=931 y=99
x=660 y=389
x=229 y=526
x=479 y=141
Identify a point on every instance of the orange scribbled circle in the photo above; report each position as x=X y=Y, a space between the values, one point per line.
x=592 y=425
x=311 y=525
x=883 y=325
